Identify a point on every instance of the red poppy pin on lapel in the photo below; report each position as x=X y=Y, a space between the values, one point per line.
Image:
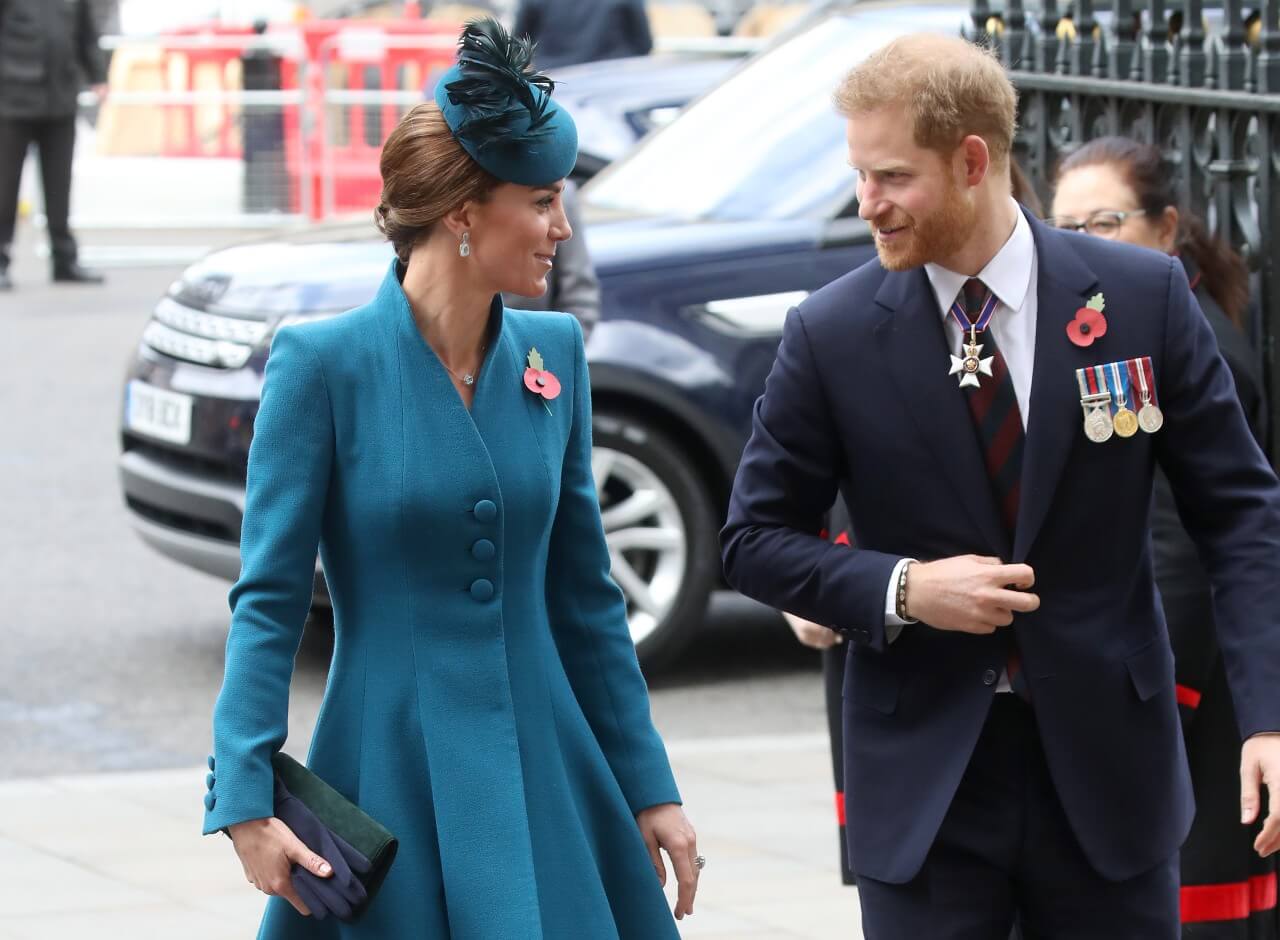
x=540 y=381
x=1089 y=323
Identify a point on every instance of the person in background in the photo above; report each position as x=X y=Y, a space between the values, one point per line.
x=1125 y=190
x=571 y=31
x=572 y=285
x=46 y=48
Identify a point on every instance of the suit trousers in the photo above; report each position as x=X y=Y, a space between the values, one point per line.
x=1006 y=856
x=55 y=139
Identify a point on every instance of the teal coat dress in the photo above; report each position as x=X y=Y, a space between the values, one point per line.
x=484 y=701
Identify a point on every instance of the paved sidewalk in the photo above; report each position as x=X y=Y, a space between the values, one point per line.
x=120 y=856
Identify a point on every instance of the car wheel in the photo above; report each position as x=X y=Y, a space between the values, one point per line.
x=661 y=532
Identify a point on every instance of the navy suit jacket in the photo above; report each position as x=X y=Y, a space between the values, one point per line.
x=859 y=399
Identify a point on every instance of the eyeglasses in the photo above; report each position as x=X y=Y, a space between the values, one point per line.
x=1105 y=223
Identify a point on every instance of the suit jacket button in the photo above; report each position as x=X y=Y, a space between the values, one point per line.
x=210 y=801
x=482 y=589
x=989 y=677
x=486 y=510
x=483 y=550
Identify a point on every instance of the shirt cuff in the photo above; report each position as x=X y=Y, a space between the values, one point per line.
x=893 y=624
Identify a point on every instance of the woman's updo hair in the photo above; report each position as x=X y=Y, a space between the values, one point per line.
x=425 y=174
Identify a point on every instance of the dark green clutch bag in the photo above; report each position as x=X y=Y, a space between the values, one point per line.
x=342 y=817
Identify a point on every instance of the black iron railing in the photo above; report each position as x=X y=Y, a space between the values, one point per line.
x=1201 y=82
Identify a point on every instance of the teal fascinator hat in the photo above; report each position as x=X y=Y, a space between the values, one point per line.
x=501 y=111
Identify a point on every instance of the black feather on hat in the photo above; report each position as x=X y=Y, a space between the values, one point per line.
x=497 y=71
x=501 y=110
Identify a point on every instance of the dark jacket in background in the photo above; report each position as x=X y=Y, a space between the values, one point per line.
x=1218 y=864
x=1181 y=578
x=48 y=48
x=572 y=286
x=571 y=31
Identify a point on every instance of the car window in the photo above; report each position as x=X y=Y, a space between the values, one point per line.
x=766 y=144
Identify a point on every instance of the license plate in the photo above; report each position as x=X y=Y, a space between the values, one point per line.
x=157 y=413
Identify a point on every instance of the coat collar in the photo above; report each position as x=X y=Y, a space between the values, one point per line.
x=394 y=307
x=1007 y=275
x=1065 y=283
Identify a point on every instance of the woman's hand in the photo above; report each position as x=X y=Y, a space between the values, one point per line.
x=267 y=849
x=665 y=826
x=813 y=635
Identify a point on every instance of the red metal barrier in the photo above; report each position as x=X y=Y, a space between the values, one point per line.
x=181 y=63
x=330 y=149
x=389 y=56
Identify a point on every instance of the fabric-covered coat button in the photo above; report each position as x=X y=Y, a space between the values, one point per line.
x=208 y=782
x=989 y=677
x=482 y=550
x=210 y=801
x=482 y=589
x=486 y=510
x=211 y=767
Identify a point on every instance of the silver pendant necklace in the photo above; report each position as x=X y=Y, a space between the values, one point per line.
x=467 y=378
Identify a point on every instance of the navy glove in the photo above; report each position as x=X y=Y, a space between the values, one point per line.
x=342 y=893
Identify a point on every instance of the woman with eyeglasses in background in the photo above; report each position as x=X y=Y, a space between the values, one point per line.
x=1125 y=190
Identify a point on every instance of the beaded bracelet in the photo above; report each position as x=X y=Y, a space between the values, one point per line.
x=901 y=603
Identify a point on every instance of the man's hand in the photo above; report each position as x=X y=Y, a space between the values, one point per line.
x=969 y=593
x=1259 y=764
x=813 y=635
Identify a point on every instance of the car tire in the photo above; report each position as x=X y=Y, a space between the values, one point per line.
x=661 y=528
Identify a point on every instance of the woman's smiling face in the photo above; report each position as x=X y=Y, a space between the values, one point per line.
x=514 y=234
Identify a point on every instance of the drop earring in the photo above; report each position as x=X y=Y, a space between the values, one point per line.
x=464 y=247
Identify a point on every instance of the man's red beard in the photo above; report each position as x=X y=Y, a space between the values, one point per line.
x=933 y=237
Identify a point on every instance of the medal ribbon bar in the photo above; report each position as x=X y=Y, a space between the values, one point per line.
x=1095 y=400
x=1098 y=380
x=1142 y=375
x=1150 y=418
x=1122 y=390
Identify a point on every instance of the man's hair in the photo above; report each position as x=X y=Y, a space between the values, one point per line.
x=948 y=87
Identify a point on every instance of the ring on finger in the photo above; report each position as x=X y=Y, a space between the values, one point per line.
x=700 y=862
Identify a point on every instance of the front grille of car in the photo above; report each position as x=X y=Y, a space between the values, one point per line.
x=185 y=461
x=180 y=520
x=205 y=338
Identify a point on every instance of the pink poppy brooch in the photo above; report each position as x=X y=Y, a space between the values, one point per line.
x=540 y=380
x=1089 y=323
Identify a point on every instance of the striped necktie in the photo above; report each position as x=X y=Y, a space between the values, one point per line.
x=998 y=421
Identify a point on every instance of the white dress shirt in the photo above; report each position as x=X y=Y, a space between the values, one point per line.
x=1010 y=275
